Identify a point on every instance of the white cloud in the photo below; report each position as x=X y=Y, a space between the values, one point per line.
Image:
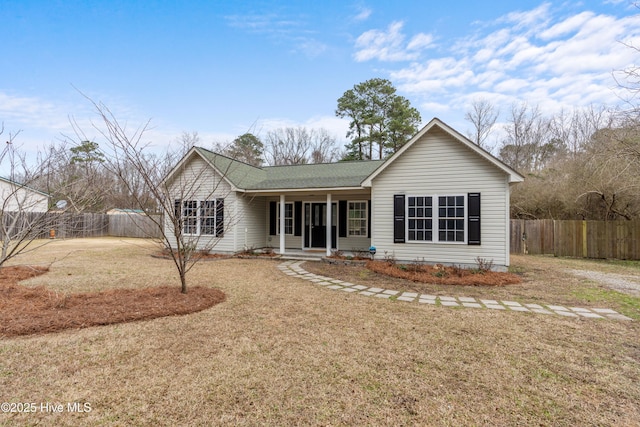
x=420 y=41
x=544 y=56
x=567 y=26
x=311 y=48
x=389 y=45
x=363 y=14
x=291 y=31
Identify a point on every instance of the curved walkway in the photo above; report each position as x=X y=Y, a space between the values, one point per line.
x=294 y=269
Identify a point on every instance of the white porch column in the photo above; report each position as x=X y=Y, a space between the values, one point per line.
x=329 y=224
x=282 y=224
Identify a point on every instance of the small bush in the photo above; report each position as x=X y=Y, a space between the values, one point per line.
x=484 y=265
x=361 y=253
x=390 y=259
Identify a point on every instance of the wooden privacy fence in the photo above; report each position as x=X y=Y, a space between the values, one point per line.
x=584 y=239
x=134 y=226
x=69 y=225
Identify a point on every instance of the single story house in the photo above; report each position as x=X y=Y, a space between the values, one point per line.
x=439 y=199
x=16 y=197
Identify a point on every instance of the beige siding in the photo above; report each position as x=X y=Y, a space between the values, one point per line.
x=250 y=224
x=198 y=181
x=439 y=165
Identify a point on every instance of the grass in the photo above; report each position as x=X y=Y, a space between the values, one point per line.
x=281 y=351
x=626 y=304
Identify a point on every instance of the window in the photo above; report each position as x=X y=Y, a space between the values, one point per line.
x=357 y=219
x=288 y=219
x=208 y=217
x=190 y=217
x=203 y=217
x=420 y=218
x=436 y=218
x=451 y=218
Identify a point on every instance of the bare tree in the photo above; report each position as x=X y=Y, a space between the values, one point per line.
x=575 y=129
x=24 y=219
x=296 y=146
x=190 y=200
x=482 y=116
x=187 y=141
x=76 y=173
x=610 y=174
x=527 y=146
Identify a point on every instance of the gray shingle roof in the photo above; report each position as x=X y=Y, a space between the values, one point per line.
x=324 y=175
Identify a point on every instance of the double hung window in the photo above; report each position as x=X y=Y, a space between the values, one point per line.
x=436 y=218
x=201 y=217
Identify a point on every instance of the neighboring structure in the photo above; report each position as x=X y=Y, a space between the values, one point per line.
x=440 y=199
x=16 y=197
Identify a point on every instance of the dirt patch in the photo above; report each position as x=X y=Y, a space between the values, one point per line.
x=444 y=275
x=34 y=310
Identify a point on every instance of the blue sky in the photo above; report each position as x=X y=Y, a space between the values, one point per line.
x=225 y=68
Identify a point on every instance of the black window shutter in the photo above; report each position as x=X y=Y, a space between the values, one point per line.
x=473 y=220
x=398 y=218
x=369 y=219
x=342 y=218
x=177 y=211
x=273 y=213
x=219 y=217
x=297 y=219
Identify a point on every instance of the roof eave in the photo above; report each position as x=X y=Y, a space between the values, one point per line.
x=306 y=189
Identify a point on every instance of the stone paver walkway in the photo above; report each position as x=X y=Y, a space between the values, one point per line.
x=294 y=269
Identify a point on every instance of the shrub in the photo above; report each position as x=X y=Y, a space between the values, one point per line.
x=337 y=253
x=484 y=265
x=389 y=258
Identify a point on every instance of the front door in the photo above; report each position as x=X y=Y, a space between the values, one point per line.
x=315 y=225
x=318 y=225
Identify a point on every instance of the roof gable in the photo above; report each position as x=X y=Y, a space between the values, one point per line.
x=435 y=122
x=237 y=174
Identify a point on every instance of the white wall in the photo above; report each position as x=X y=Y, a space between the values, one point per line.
x=15 y=198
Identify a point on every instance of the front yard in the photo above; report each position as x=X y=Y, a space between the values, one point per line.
x=281 y=351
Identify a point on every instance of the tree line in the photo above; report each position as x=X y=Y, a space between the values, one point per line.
x=579 y=164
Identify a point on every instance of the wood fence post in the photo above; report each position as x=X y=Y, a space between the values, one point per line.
x=584 y=239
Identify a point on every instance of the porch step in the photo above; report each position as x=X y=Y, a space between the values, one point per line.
x=300 y=258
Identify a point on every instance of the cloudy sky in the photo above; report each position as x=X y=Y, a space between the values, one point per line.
x=225 y=68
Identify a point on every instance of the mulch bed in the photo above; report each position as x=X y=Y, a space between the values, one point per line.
x=33 y=310
x=444 y=275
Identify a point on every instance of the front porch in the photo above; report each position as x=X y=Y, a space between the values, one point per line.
x=313 y=225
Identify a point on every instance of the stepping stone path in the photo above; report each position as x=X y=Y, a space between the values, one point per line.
x=293 y=269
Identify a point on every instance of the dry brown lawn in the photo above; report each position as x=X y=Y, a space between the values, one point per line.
x=281 y=351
